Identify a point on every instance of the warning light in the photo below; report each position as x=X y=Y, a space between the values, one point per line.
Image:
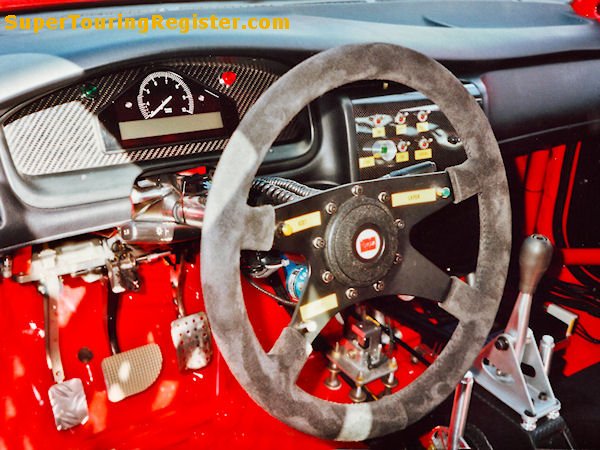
x=228 y=78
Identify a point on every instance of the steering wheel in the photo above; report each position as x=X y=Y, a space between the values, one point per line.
x=362 y=240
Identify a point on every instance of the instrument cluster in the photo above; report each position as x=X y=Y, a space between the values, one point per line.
x=154 y=111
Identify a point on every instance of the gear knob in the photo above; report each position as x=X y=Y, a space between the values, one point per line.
x=535 y=257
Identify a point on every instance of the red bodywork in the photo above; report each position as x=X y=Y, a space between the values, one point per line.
x=541 y=174
x=204 y=409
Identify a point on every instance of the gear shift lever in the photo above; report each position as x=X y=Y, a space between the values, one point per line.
x=534 y=260
x=498 y=368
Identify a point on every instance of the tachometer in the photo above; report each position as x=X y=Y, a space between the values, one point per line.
x=164 y=94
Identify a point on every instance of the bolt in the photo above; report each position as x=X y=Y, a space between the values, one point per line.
x=379 y=286
x=351 y=293
x=357 y=190
x=319 y=242
x=383 y=197
x=543 y=396
x=85 y=355
x=529 y=423
x=327 y=276
x=358 y=395
x=501 y=343
x=390 y=382
x=400 y=224
x=553 y=414
x=335 y=353
x=397 y=258
x=332 y=382
x=331 y=208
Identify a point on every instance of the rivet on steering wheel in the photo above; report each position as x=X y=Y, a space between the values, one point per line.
x=356 y=190
x=331 y=208
x=327 y=277
x=351 y=293
x=319 y=242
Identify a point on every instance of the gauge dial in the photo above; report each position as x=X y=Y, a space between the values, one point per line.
x=164 y=94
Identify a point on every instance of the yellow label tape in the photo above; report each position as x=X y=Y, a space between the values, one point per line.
x=402 y=157
x=423 y=154
x=422 y=127
x=414 y=197
x=401 y=129
x=301 y=223
x=378 y=132
x=366 y=161
x=318 y=307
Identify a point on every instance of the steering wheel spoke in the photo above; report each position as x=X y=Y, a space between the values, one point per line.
x=465 y=180
x=412 y=198
x=418 y=276
x=467 y=303
x=322 y=301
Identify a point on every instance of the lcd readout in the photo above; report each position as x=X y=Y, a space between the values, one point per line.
x=137 y=129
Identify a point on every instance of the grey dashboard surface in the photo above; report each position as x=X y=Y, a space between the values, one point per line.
x=462 y=34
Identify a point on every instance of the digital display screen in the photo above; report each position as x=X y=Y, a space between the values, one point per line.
x=165 y=108
x=145 y=128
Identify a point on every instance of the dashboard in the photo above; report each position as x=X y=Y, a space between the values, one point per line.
x=166 y=109
x=85 y=114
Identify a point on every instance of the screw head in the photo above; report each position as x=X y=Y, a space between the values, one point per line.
x=327 y=276
x=319 y=242
x=379 y=286
x=400 y=224
x=351 y=293
x=501 y=343
x=383 y=197
x=331 y=208
x=397 y=258
x=357 y=190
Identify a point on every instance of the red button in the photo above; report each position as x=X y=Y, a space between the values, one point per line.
x=228 y=78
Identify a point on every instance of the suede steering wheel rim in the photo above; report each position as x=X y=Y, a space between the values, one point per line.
x=231 y=225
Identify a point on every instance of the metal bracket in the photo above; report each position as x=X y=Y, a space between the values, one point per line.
x=528 y=392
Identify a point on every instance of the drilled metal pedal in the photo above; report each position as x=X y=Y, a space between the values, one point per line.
x=191 y=338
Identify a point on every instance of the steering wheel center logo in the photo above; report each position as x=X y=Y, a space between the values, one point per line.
x=368 y=244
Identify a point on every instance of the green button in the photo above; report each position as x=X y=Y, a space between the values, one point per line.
x=444 y=192
x=89 y=91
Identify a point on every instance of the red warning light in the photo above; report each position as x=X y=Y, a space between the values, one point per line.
x=228 y=78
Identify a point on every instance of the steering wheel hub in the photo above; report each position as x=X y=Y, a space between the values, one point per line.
x=361 y=242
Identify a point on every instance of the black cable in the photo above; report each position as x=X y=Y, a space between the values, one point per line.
x=581 y=298
x=275 y=194
x=291 y=185
x=275 y=297
x=582 y=332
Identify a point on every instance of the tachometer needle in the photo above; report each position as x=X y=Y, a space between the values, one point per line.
x=162 y=105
